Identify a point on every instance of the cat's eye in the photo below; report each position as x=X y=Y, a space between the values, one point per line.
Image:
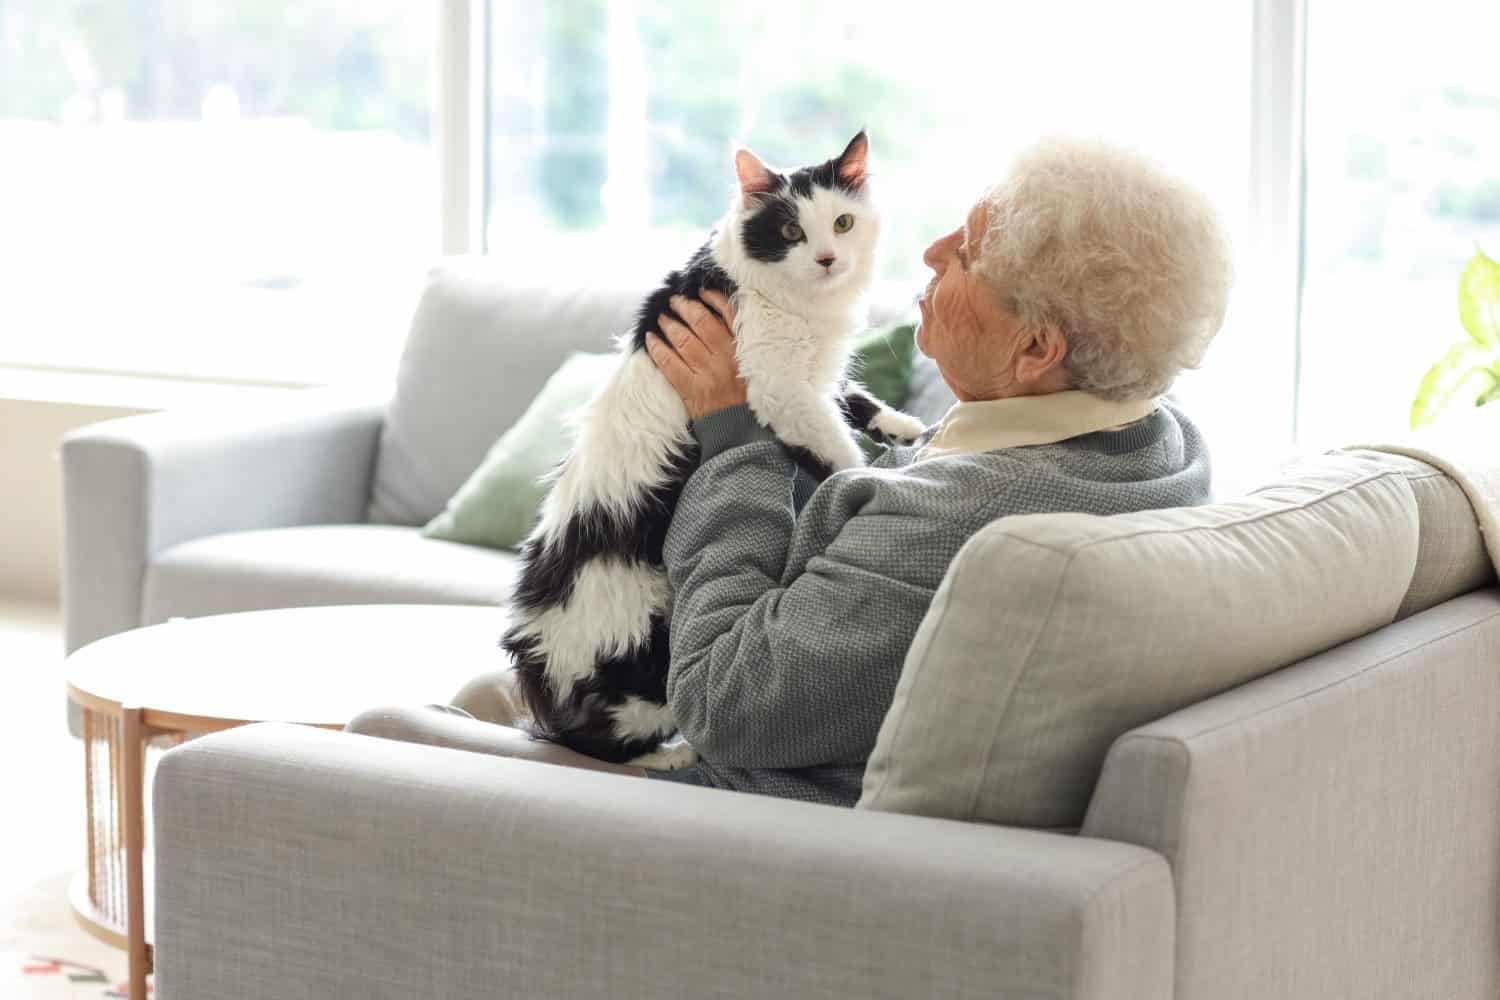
x=843 y=223
x=791 y=231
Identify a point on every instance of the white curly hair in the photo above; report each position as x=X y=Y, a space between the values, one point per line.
x=1129 y=262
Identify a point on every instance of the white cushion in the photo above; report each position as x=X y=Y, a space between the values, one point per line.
x=1053 y=634
x=318 y=565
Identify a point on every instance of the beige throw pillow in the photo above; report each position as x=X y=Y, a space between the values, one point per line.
x=1054 y=634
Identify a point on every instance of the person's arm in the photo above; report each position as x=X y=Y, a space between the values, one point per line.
x=778 y=660
x=782 y=655
x=736 y=425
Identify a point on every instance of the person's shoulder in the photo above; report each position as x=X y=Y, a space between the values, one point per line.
x=947 y=482
x=1175 y=409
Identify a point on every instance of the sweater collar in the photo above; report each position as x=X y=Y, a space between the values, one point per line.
x=968 y=428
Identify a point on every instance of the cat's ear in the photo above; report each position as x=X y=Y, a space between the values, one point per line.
x=755 y=176
x=854 y=161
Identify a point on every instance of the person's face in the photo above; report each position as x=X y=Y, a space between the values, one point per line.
x=964 y=328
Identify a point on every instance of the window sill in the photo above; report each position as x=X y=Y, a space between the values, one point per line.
x=131 y=392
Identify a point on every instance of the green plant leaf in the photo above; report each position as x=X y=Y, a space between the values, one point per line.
x=1493 y=393
x=1462 y=374
x=1479 y=300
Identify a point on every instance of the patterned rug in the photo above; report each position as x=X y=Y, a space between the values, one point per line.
x=45 y=954
x=39 y=976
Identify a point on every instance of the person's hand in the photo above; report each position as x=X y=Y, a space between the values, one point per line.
x=697 y=357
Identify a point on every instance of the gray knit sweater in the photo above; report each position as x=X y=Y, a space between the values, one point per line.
x=794 y=607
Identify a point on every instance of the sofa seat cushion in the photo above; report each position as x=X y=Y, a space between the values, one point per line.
x=317 y=565
x=1053 y=634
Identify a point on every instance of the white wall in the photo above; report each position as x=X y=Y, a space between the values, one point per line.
x=31 y=490
x=36 y=409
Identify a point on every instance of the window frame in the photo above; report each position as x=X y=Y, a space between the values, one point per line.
x=461 y=98
x=1272 y=263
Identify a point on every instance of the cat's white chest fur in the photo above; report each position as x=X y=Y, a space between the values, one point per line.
x=792 y=363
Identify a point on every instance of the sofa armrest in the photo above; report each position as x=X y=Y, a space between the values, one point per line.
x=135 y=486
x=1332 y=826
x=295 y=863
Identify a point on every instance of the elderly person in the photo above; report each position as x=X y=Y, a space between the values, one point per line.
x=1060 y=310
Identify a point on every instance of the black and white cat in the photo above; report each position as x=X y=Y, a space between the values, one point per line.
x=590 y=611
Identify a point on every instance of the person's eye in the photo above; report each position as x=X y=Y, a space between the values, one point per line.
x=843 y=223
x=791 y=231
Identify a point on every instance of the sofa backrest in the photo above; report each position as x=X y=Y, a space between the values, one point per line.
x=479 y=349
x=481 y=346
x=1052 y=635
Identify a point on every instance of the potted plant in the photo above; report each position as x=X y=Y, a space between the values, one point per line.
x=1470 y=370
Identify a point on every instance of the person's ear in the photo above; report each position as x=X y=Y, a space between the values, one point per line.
x=1043 y=350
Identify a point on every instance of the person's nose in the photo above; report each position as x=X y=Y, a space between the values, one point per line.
x=929 y=255
x=936 y=253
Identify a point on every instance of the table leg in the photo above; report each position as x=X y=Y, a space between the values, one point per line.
x=135 y=848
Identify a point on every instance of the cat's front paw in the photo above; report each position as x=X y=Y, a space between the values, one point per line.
x=897 y=427
x=668 y=757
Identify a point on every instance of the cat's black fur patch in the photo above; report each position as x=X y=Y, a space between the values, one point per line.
x=700 y=273
x=761 y=233
x=826 y=174
x=859 y=409
x=643 y=673
x=550 y=569
x=582 y=720
x=594 y=532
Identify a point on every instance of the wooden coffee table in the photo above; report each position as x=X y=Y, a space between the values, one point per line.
x=146 y=690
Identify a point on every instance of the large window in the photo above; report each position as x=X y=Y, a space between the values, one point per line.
x=612 y=123
x=236 y=189
x=1403 y=182
x=248 y=189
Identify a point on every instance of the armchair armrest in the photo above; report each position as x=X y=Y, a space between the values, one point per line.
x=293 y=863
x=135 y=486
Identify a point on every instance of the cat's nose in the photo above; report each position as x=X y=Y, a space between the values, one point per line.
x=826 y=259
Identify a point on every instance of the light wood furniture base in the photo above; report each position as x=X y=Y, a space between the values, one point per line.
x=145 y=691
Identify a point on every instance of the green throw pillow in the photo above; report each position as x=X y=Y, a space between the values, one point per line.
x=499 y=503
x=883 y=360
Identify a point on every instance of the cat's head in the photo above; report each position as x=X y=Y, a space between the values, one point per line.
x=811 y=232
